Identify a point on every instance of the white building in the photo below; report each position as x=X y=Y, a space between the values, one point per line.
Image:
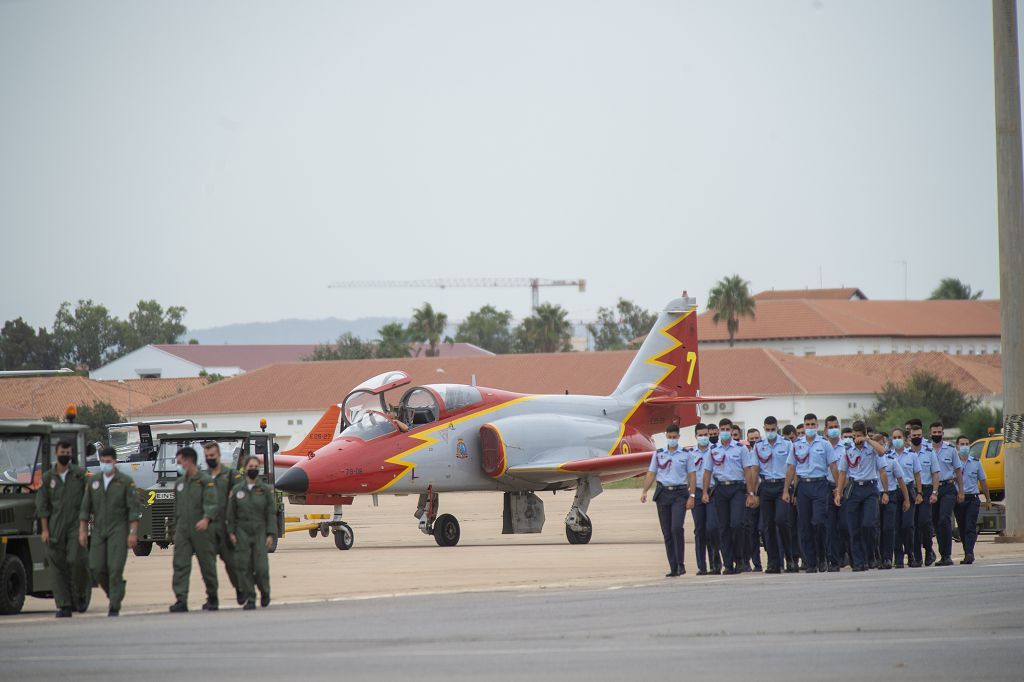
x=166 y=361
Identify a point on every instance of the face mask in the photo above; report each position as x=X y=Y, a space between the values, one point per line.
x=771 y=436
x=180 y=468
x=847 y=441
x=965 y=450
x=916 y=440
x=703 y=441
x=106 y=467
x=810 y=433
x=726 y=436
x=252 y=474
x=713 y=439
x=64 y=459
x=897 y=443
x=673 y=442
x=936 y=439
x=833 y=433
x=211 y=463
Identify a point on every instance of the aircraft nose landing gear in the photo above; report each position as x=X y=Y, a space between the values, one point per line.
x=444 y=528
x=578 y=528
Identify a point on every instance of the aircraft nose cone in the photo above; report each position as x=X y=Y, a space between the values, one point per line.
x=294 y=480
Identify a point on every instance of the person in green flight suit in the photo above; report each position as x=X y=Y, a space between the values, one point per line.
x=252 y=526
x=112 y=503
x=195 y=508
x=225 y=477
x=58 y=504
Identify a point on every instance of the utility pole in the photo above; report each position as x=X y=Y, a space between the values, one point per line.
x=1010 y=185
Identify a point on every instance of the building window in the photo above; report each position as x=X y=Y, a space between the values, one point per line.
x=809 y=352
x=874 y=352
x=299 y=422
x=202 y=425
x=291 y=422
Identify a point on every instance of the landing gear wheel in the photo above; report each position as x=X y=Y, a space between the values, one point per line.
x=580 y=537
x=273 y=545
x=324 y=529
x=313 y=532
x=142 y=548
x=446 y=530
x=343 y=536
x=12 y=585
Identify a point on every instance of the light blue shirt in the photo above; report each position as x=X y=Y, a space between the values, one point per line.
x=671 y=468
x=811 y=460
x=727 y=462
x=699 y=457
x=771 y=459
x=893 y=471
x=948 y=460
x=837 y=451
x=929 y=464
x=860 y=463
x=910 y=463
x=973 y=472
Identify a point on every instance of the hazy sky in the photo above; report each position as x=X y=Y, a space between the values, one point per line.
x=236 y=157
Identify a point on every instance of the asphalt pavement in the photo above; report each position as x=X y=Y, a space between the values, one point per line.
x=955 y=623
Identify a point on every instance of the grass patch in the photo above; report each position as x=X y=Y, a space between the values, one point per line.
x=635 y=482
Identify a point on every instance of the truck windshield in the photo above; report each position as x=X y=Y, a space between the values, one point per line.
x=19 y=456
x=230 y=453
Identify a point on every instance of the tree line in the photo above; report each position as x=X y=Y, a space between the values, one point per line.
x=87 y=336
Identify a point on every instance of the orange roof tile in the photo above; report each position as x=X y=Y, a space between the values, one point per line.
x=42 y=396
x=844 y=294
x=971 y=374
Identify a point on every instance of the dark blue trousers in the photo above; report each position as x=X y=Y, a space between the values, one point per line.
x=836 y=532
x=944 y=526
x=862 y=515
x=812 y=507
x=793 y=524
x=705 y=534
x=967 y=521
x=729 y=501
x=774 y=523
x=905 y=530
x=889 y=522
x=672 y=515
x=924 y=529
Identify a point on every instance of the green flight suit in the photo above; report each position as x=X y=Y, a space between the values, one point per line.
x=194 y=499
x=252 y=517
x=60 y=501
x=225 y=481
x=112 y=508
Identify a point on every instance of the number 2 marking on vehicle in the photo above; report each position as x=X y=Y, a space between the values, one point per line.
x=152 y=496
x=691 y=357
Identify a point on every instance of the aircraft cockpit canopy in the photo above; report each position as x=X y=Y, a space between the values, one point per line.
x=366 y=413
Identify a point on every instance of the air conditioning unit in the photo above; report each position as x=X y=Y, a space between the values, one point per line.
x=708 y=408
x=725 y=408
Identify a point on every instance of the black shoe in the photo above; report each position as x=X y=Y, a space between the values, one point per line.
x=63 y=613
x=178 y=607
x=81 y=606
x=773 y=570
x=929 y=559
x=249 y=606
x=914 y=563
x=758 y=568
x=264 y=600
x=792 y=569
x=113 y=613
x=701 y=572
x=886 y=565
x=898 y=564
x=833 y=569
x=239 y=597
x=859 y=569
x=682 y=570
x=968 y=559
x=210 y=605
x=672 y=574
x=742 y=569
x=822 y=568
x=730 y=571
x=944 y=561
x=872 y=564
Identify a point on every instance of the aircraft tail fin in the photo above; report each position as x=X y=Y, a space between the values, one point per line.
x=321 y=434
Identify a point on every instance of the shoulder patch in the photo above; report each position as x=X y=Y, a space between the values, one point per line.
x=95 y=485
x=210 y=484
x=240 y=494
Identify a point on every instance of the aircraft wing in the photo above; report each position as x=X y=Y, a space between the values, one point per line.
x=697 y=399
x=609 y=468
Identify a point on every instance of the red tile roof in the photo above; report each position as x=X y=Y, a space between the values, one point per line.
x=972 y=374
x=844 y=294
x=41 y=396
x=811 y=318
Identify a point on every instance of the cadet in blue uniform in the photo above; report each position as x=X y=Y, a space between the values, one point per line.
x=837 y=538
x=772 y=454
x=672 y=467
x=811 y=458
x=860 y=465
x=793 y=558
x=929 y=483
x=949 y=493
x=894 y=500
x=752 y=518
x=705 y=530
x=967 y=511
x=732 y=468
x=911 y=467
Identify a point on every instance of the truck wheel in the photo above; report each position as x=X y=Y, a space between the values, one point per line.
x=344 y=538
x=273 y=546
x=12 y=585
x=446 y=530
x=143 y=548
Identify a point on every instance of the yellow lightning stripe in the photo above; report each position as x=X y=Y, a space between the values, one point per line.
x=669 y=368
x=428 y=438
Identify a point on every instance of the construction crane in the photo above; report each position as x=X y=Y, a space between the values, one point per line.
x=535 y=283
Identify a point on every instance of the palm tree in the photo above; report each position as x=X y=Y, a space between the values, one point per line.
x=546 y=331
x=951 y=288
x=731 y=300
x=393 y=341
x=427 y=326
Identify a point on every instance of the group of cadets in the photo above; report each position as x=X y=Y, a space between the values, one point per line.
x=816 y=500
x=219 y=512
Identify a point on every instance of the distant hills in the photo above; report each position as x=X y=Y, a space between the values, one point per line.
x=291 y=331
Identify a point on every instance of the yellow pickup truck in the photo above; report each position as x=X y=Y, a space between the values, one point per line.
x=989 y=451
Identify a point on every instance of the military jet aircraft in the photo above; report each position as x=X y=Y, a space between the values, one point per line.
x=443 y=438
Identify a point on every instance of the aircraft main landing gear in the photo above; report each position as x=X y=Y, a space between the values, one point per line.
x=444 y=528
x=578 y=528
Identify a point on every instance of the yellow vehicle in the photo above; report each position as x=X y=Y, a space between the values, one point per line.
x=989 y=451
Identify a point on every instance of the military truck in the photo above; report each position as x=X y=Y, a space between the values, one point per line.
x=136 y=446
x=157 y=524
x=25 y=455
